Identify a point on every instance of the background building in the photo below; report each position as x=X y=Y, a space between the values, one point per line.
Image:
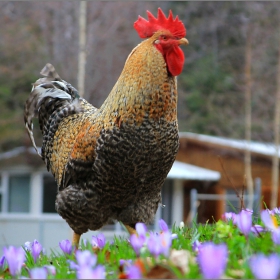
x=28 y=191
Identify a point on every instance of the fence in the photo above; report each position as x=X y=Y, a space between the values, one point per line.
x=194 y=197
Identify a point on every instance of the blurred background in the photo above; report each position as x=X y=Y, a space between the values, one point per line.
x=211 y=87
x=230 y=87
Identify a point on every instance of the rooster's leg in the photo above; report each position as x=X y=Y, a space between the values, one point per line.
x=130 y=229
x=76 y=240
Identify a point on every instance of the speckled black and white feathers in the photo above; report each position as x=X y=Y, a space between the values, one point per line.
x=124 y=181
x=51 y=100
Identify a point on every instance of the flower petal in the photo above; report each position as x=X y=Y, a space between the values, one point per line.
x=265 y=267
x=268 y=220
x=257 y=229
x=133 y=272
x=101 y=240
x=85 y=258
x=66 y=246
x=15 y=258
x=137 y=243
x=229 y=216
x=244 y=221
x=212 y=260
x=163 y=225
x=36 y=249
x=38 y=273
x=276 y=236
x=141 y=229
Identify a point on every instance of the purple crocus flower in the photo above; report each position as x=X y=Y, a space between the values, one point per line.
x=276 y=236
x=98 y=241
x=165 y=241
x=28 y=246
x=196 y=246
x=2 y=262
x=141 y=229
x=257 y=229
x=154 y=245
x=90 y=273
x=51 y=269
x=86 y=262
x=244 y=221
x=38 y=273
x=36 y=249
x=212 y=260
x=73 y=265
x=276 y=211
x=229 y=216
x=85 y=273
x=124 y=262
x=85 y=258
x=265 y=267
x=66 y=246
x=249 y=210
x=163 y=225
x=133 y=272
x=159 y=243
x=269 y=221
x=99 y=272
x=137 y=242
x=164 y=228
x=15 y=258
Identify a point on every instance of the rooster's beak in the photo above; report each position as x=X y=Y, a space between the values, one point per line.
x=183 y=41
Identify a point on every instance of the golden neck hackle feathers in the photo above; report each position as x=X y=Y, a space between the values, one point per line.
x=144 y=89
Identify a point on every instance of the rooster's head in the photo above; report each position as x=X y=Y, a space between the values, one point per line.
x=167 y=35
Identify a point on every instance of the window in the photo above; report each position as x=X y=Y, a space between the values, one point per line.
x=19 y=194
x=49 y=194
x=166 y=194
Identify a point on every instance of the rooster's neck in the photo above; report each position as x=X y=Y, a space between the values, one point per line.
x=144 y=89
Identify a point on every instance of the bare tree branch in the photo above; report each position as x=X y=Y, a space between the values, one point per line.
x=275 y=159
x=82 y=48
x=248 y=116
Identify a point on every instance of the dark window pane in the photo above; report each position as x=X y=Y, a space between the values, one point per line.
x=49 y=194
x=166 y=194
x=19 y=193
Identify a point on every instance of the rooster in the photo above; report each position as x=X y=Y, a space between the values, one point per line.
x=110 y=163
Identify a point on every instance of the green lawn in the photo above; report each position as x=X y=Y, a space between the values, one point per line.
x=230 y=248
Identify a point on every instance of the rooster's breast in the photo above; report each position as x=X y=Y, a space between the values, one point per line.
x=133 y=161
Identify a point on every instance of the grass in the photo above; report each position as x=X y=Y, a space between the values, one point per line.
x=240 y=249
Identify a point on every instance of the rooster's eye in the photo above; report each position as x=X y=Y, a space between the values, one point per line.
x=163 y=37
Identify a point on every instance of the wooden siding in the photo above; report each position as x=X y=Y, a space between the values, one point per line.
x=230 y=163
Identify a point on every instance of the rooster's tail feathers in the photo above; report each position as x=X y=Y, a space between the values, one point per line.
x=48 y=94
x=49 y=72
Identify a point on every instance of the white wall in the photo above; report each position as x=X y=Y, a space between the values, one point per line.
x=49 y=230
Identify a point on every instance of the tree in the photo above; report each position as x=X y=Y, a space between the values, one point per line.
x=275 y=159
x=82 y=48
x=211 y=87
x=248 y=116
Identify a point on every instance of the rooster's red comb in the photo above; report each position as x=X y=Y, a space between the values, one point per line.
x=146 y=28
